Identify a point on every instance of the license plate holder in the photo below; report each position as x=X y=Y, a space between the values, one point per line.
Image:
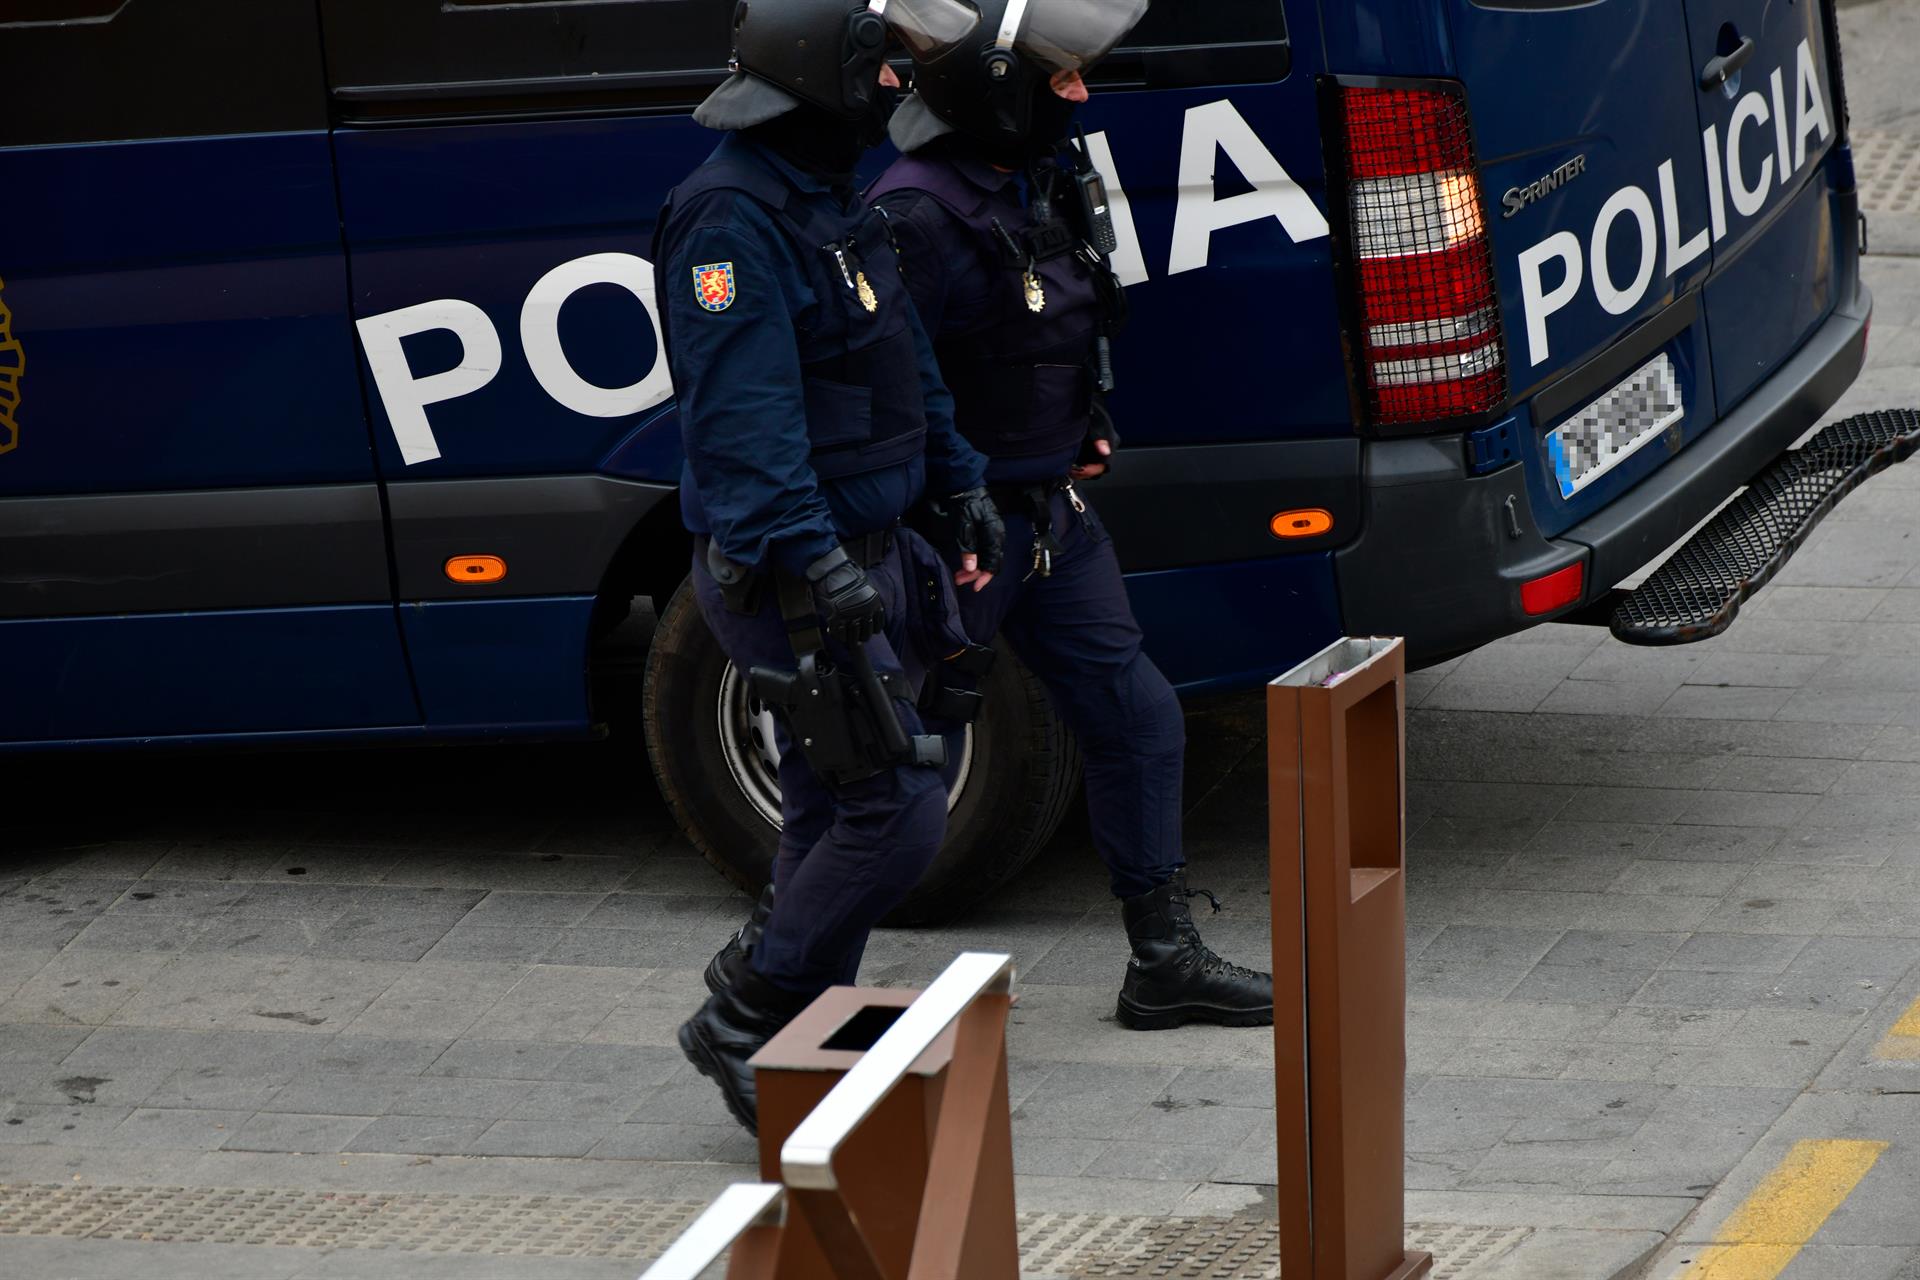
x=1614 y=427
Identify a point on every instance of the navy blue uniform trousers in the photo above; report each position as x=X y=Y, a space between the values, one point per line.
x=848 y=855
x=1076 y=631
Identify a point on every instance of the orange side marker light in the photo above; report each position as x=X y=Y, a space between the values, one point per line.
x=474 y=569
x=1307 y=522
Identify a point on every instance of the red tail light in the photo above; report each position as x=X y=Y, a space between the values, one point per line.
x=1556 y=590
x=1429 y=345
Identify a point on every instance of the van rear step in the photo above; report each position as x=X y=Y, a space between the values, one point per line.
x=1696 y=594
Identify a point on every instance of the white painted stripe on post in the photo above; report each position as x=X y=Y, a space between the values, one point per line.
x=740 y=1206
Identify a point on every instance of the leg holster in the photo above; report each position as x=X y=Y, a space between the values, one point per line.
x=843 y=721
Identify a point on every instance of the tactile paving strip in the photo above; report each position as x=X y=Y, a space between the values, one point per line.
x=1053 y=1246
x=1886 y=167
x=533 y=1226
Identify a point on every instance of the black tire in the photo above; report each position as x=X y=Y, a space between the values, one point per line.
x=1021 y=774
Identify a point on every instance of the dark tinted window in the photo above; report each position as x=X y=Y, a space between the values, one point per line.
x=95 y=70
x=1199 y=42
x=400 y=59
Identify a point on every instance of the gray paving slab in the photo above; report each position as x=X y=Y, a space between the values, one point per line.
x=295 y=900
x=619 y=1064
x=69 y=1124
x=419 y=1135
x=526 y=944
x=218 y=1087
x=193 y=1128
x=127 y=1260
x=292 y=1132
x=500 y=1059
x=1737 y=952
x=350 y=1054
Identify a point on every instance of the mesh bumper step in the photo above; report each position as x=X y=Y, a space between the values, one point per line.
x=1697 y=593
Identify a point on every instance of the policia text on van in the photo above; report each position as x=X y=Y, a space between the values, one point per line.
x=391 y=224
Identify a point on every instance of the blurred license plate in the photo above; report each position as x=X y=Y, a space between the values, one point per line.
x=1611 y=429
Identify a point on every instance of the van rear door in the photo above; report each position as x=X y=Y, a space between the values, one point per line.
x=1769 y=111
x=1597 y=198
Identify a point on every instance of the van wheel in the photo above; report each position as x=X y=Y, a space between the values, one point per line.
x=712 y=747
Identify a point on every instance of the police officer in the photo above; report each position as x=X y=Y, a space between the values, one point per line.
x=1003 y=247
x=813 y=418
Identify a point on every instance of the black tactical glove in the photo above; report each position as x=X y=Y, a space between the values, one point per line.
x=846 y=598
x=1100 y=428
x=974 y=526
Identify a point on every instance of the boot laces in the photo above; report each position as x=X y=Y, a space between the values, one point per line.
x=1208 y=895
x=1211 y=963
x=1206 y=960
x=1181 y=900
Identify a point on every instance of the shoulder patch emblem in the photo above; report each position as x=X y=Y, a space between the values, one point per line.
x=713 y=285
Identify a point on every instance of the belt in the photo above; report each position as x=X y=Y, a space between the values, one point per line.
x=1025 y=499
x=869 y=549
x=1035 y=501
x=864 y=549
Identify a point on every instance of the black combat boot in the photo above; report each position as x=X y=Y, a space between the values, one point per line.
x=730 y=1028
x=1174 y=977
x=734 y=954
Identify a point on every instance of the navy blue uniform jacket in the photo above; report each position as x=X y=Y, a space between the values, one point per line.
x=737 y=373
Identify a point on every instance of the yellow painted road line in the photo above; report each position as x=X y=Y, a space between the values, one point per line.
x=1762 y=1236
x=1909 y=1024
x=1903 y=1040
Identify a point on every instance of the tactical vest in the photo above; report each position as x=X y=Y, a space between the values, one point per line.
x=1022 y=380
x=865 y=406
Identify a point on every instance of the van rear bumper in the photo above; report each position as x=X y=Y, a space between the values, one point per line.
x=1442 y=554
x=1660 y=510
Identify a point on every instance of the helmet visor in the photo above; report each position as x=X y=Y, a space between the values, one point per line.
x=931 y=28
x=1072 y=35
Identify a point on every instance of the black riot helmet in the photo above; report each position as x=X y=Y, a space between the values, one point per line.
x=984 y=66
x=825 y=53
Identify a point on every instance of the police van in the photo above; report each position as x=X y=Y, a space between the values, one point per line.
x=332 y=406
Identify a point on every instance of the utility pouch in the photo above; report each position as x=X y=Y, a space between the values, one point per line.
x=956 y=703
x=975 y=660
x=949 y=705
x=1048 y=240
x=740 y=586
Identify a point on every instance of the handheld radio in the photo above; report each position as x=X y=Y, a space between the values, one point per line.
x=1096 y=214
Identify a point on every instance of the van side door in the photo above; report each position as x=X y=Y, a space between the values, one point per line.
x=501 y=168
x=191 y=535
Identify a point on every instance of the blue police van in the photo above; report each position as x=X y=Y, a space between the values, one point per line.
x=332 y=407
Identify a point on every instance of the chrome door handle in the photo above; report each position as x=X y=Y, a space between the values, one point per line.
x=1722 y=69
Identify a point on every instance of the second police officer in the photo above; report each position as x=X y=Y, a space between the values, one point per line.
x=813 y=419
x=1003 y=244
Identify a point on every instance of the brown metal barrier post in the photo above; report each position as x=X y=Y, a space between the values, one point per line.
x=921 y=1188
x=1336 y=767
